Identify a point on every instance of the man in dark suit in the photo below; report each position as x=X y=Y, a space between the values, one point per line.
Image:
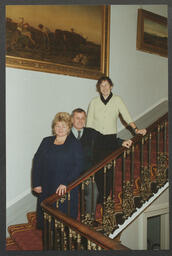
x=90 y=139
x=87 y=137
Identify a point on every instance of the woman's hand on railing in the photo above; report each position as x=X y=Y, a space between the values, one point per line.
x=61 y=190
x=140 y=131
x=127 y=143
x=37 y=189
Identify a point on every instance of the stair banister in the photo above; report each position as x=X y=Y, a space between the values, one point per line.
x=105 y=242
x=82 y=229
x=100 y=165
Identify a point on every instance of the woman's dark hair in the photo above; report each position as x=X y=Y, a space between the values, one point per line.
x=103 y=78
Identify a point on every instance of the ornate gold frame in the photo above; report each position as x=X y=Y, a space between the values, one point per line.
x=80 y=71
x=155 y=44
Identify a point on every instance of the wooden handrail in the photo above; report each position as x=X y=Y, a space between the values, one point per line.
x=136 y=139
x=96 y=237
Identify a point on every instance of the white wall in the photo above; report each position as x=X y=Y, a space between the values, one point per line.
x=33 y=98
x=139 y=77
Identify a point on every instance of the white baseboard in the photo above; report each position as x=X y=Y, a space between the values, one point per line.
x=163 y=100
x=18 y=198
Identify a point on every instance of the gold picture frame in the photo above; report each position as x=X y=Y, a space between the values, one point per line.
x=152 y=33
x=53 y=44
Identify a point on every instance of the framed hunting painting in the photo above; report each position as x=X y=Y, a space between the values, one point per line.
x=64 y=39
x=152 y=33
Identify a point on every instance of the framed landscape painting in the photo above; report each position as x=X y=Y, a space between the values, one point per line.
x=152 y=33
x=64 y=39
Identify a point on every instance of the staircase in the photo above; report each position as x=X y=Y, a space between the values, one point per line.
x=25 y=237
x=140 y=175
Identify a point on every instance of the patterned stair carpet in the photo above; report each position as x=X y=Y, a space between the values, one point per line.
x=25 y=237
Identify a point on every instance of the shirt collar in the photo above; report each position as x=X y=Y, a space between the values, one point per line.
x=75 y=131
x=105 y=101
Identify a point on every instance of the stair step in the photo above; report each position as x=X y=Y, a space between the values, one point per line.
x=25 y=236
x=31 y=216
x=29 y=240
x=11 y=245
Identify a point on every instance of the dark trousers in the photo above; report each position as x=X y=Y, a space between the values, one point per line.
x=105 y=146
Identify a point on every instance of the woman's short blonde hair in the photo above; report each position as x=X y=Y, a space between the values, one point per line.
x=62 y=117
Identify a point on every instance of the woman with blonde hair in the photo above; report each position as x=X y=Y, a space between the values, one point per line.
x=57 y=162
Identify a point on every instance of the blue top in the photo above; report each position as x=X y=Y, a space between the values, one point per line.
x=57 y=164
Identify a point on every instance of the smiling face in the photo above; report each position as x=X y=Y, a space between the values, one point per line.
x=78 y=120
x=61 y=129
x=105 y=88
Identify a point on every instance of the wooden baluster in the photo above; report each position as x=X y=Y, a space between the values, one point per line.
x=57 y=204
x=93 y=246
x=70 y=239
x=78 y=242
x=123 y=172
x=157 y=147
x=132 y=166
x=141 y=169
x=66 y=238
x=53 y=233
x=165 y=137
x=92 y=197
x=62 y=235
x=68 y=203
x=141 y=158
x=82 y=211
x=45 y=232
x=149 y=151
x=56 y=235
x=49 y=233
x=113 y=179
x=89 y=245
x=157 y=152
x=104 y=197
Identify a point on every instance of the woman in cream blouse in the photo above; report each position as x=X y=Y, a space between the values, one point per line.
x=103 y=112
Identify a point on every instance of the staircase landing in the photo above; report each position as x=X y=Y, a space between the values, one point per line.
x=25 y=237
